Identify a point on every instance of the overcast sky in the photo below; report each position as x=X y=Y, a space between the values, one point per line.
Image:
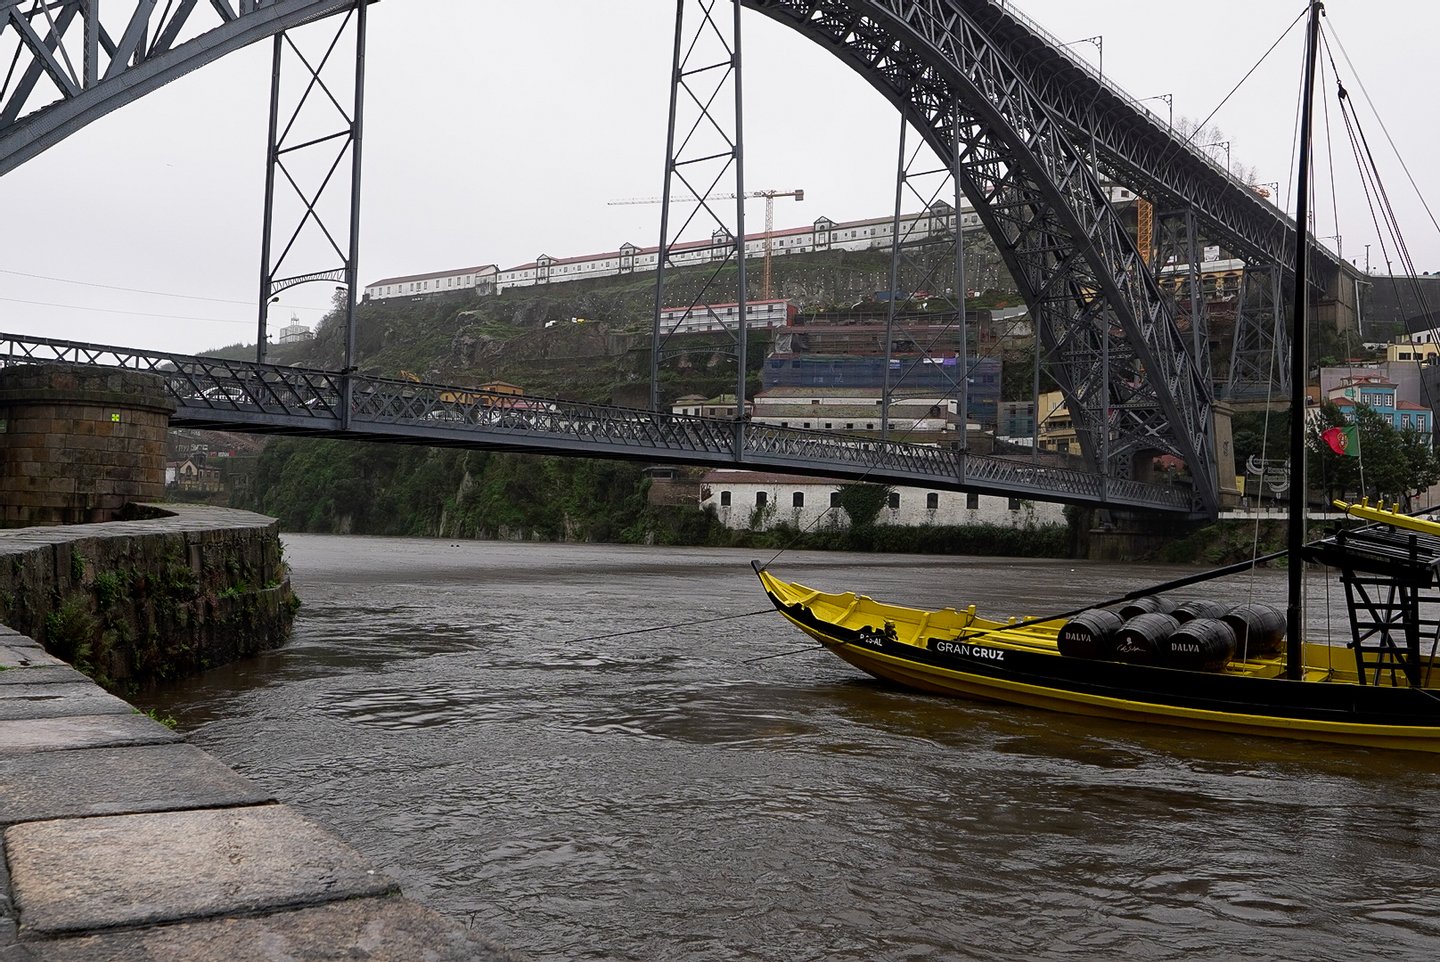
x=499 y=131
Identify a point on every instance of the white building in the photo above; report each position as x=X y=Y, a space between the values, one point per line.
x=824 y=234
x=480 y=279
x=753 y=499
x=721 y=317
x=830 y=409
x=294 y=332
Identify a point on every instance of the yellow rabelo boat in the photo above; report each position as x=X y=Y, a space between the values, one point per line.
x=1220 y=670
x=1223 y=668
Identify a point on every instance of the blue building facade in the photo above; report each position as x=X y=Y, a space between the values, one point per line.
x=907 y=375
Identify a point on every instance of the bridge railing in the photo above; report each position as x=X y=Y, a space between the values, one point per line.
x=1067 y=51
x=241 y=395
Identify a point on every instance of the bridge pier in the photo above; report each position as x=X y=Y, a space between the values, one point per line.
x=77 y=443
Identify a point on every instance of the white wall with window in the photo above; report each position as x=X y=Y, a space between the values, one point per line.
x=761 y=500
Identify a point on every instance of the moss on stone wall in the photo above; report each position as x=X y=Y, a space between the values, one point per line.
x=132 y=603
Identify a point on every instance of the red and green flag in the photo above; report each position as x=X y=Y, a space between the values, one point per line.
x=1342 y=440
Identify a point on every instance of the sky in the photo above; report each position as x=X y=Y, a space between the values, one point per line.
x=495 y=132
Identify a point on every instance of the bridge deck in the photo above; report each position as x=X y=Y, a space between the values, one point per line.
x=246 y=397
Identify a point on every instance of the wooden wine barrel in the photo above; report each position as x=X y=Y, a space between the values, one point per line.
x=1140 y=639
x=1200 y=644
x=1090 y=634
x=1140 y=606
x=1259 y=629
x=1200 y=608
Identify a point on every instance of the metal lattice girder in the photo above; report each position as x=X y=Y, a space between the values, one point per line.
x=244 y=396
x=70 y=62
x=323 y=122
x=1136 y=147
x=1178 y=257
x=1115 y=350
x=704 y=164
x=1258 y=357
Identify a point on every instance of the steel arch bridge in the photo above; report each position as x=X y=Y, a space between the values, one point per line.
x=1017 y=116
x=246 y=397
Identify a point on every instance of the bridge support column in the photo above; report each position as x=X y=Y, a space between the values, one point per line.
x=1225 y=456
x=77 y=443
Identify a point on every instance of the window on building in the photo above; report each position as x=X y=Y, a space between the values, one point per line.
x=760 y=498
x=834 y=499
x=932 y=501
x=894 y=500
x=972 y=500
x=1014 y=504
x=724 y=499
x=798 y=499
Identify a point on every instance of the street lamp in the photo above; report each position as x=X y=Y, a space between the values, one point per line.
x=1339 y=244
x=1226 y=145
x=1099 y=42
x=1169 y=102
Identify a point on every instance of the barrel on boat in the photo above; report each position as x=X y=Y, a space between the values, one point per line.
x=1140 y=639
x=1200 y=608
x=1259 y=629
x=1140 y=606
x=1200 y=644
x=1090 y=634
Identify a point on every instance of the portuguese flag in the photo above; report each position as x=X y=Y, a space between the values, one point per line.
x=1342 y=440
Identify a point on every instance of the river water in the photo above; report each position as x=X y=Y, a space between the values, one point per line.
x=486 y=722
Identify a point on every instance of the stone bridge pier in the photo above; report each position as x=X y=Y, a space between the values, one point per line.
x=77 y=443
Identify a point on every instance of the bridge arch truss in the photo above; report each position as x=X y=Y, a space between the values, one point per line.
x=1129 y=376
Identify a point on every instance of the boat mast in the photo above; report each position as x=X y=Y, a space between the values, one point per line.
x=1299 y=366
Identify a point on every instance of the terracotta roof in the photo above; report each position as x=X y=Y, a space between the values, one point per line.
x=726 y=476
x=432 y=275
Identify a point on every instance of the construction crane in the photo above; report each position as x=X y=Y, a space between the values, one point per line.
x=769 y=196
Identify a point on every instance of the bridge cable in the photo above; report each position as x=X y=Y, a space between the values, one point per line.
x=1385 y=130
x=1375 y=191
x=1189 y=140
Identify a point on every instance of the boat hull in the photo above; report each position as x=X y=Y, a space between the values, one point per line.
x=981 y=662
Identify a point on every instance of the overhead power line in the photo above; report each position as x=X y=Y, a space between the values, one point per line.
x=136 y=290
x=106 y=310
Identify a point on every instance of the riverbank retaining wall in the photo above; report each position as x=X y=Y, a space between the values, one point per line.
x=172 y=592
x=120 y=842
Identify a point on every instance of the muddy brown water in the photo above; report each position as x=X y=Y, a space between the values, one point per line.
x=485 y=722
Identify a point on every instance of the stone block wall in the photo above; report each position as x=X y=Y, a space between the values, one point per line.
x=77 y=443
x=185 y=589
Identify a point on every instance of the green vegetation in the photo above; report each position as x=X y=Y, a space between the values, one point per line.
x=1396 y=464
x=169 y=721
x=342 y=487
x=862 y=502
x=1392 y=465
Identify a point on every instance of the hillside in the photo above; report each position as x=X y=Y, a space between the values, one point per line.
x=585 y=340
x=605 y=357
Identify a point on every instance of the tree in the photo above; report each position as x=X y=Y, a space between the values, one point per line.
x=1393 y=465
x=862 y=502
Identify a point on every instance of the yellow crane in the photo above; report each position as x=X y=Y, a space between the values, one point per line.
x=769 y=196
